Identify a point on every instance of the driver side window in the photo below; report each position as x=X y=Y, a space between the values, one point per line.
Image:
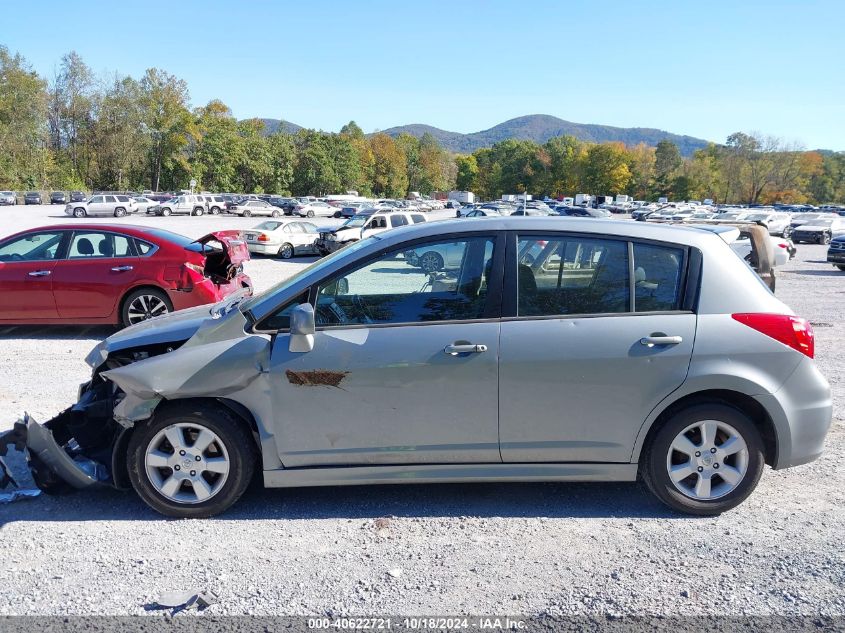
x=436 y=281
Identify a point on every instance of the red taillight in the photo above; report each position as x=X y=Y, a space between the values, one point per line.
x=263 y=238
x=790 y=330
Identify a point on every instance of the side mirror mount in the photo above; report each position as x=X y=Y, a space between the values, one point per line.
x=302 y=328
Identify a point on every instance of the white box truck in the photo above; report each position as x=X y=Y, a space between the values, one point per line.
x=464 y=197
x=583 y=199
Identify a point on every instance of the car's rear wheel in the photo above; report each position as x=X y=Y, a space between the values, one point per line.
x=191 y=459
x=214 y=210
x=165 y=211
x=310 y=213
x=275 y=213
x=143 y=304
x=198 y=211
x=286 y=251
x=337 y=214
x=704 y=460
x=431 y=262
x=79 y=212
x=247 y=214
x=119 y=212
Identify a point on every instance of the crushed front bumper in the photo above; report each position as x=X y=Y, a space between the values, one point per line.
x=55 y=466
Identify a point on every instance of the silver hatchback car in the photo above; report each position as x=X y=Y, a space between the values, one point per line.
x=584 y=350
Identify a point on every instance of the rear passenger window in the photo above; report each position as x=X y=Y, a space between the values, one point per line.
x=143 y=247
x=572 y=275
x=417 y=218
x=657 y=277
x=398 y=220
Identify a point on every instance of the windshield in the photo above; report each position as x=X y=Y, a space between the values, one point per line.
x=355 y=221
x=758 y=217
x=270 y=225
x=321 y=264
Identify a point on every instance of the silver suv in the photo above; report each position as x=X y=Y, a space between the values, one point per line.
x=585 y=350
x=102 y=205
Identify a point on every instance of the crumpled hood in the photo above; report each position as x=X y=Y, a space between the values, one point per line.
x=170 y=328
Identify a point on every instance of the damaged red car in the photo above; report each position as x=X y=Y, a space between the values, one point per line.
x=101 y=273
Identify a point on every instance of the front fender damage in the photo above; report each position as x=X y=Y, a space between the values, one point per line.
x=85 y=445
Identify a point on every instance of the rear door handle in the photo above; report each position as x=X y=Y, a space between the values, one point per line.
x=651 y=341
x=120 y=269
x=468 y=348
x=39 y=273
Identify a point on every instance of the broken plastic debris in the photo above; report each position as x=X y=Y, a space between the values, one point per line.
x=183 y=601
x=17 y=495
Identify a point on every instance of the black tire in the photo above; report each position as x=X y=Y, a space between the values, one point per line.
x=286 y=251
x=310 y=213
x=653 y=462
x=152 y=292
x=165 y=212
x=214 y=210
x=79 y=212
x=198 y=211
x=275 y=213
x=119 y=212
x=246 y=214
x=430 y=262
x=235 y=435
x=337 y=214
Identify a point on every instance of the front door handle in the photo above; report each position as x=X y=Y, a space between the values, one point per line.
x=466 y=348
x=651 y=341
x=120 y=269
x=39 y=273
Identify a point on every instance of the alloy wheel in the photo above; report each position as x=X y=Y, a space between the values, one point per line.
x=145 y=307
x=707 y=460
x=187 y=463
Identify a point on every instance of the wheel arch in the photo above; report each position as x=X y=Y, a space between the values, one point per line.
x=741 y=401
x=239 y=410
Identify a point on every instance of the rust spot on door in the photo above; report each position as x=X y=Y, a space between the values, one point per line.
x=316 y=377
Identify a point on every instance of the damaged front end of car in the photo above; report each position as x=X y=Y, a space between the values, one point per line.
x=84 y=445
x=201 y=352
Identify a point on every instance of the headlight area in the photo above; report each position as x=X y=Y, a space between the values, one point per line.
x=84 y=445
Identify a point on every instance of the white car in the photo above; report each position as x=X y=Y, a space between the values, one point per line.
x=143 y=204
x=8 y=197
x=250 y=208
x=312 y=209
x=777 y=222
x=285 y=239
x=741 y=244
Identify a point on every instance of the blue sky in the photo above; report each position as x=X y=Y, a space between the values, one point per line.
x=705 y=68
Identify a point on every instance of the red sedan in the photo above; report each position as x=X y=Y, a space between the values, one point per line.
x=101 y=273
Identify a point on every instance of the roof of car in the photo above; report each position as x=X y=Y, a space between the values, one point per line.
x=599 y=226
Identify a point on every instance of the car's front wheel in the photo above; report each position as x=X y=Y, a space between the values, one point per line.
x=119 y=212
x=197 y=211
x=165 y=212
x=246 y=214
x=704 y=460
x=79 y=212
x=309 y=214
x=431 y=262
x=191 y=459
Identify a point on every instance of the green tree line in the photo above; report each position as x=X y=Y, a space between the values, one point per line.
x=76 y=130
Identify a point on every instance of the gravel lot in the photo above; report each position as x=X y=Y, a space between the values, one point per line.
x=530 y=549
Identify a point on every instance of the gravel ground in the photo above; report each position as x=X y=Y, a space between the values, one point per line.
x=530 y=549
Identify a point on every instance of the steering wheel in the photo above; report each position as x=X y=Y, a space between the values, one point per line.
x=359 y=303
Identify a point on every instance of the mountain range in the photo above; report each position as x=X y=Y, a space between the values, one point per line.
x=534 y=127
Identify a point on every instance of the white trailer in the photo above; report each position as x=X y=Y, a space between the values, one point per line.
x=583 y=199
x=464 y=197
